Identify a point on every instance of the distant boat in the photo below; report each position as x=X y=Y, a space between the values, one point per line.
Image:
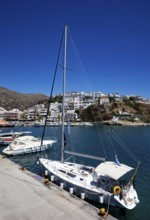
x=103 y=183
x=4 y=123
x=88 y=124
x=27 y=144
x=38 y=124
x=7 y=138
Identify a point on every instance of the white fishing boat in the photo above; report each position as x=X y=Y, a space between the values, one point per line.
x=88 y=124
x=38 y=124
x=103 y=183
x=27 y=144
x=7 y=138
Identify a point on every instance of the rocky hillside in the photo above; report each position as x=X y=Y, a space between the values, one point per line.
x=99 y=112
x=11 y=99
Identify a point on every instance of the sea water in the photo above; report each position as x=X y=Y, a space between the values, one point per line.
x=97 y=141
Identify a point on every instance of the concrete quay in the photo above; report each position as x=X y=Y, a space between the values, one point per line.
x=24 y=196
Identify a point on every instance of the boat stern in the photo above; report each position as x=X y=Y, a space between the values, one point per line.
x=127 y=197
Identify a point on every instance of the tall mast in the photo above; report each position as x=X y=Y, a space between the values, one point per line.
x=64 y=84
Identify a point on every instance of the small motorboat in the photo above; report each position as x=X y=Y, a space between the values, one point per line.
x=27 y=144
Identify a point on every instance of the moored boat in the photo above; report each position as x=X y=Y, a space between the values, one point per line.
x=27 y=144
x=104 y=183
x=7 y=138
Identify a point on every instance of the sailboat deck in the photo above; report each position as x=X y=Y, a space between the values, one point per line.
x=76 y=174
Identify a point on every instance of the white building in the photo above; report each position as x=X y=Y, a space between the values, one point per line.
x=13 y=114
x=2 y=110
x=104 y=100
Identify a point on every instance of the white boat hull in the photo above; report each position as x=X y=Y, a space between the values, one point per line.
x=26 y=150
x=27 y=144
x=91 y=192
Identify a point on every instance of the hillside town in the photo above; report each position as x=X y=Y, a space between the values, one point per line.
x=35 y=115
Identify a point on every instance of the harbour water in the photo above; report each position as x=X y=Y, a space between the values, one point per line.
x=89 y=140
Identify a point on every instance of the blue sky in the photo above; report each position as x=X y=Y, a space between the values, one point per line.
x=112 y=38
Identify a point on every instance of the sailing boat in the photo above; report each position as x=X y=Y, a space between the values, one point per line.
x=99 y=184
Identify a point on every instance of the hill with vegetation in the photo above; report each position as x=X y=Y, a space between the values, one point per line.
x=100 y=113
x=12 y=99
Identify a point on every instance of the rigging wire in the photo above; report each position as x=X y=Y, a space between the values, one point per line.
x=115 y=136
x=106 y=130
x=78 y=59
x=134 y=175
x=51 y=92
x=118 y=140
x=83 y=71
x=112 y=145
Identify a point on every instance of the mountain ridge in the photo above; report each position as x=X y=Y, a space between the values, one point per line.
x=10 y=99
